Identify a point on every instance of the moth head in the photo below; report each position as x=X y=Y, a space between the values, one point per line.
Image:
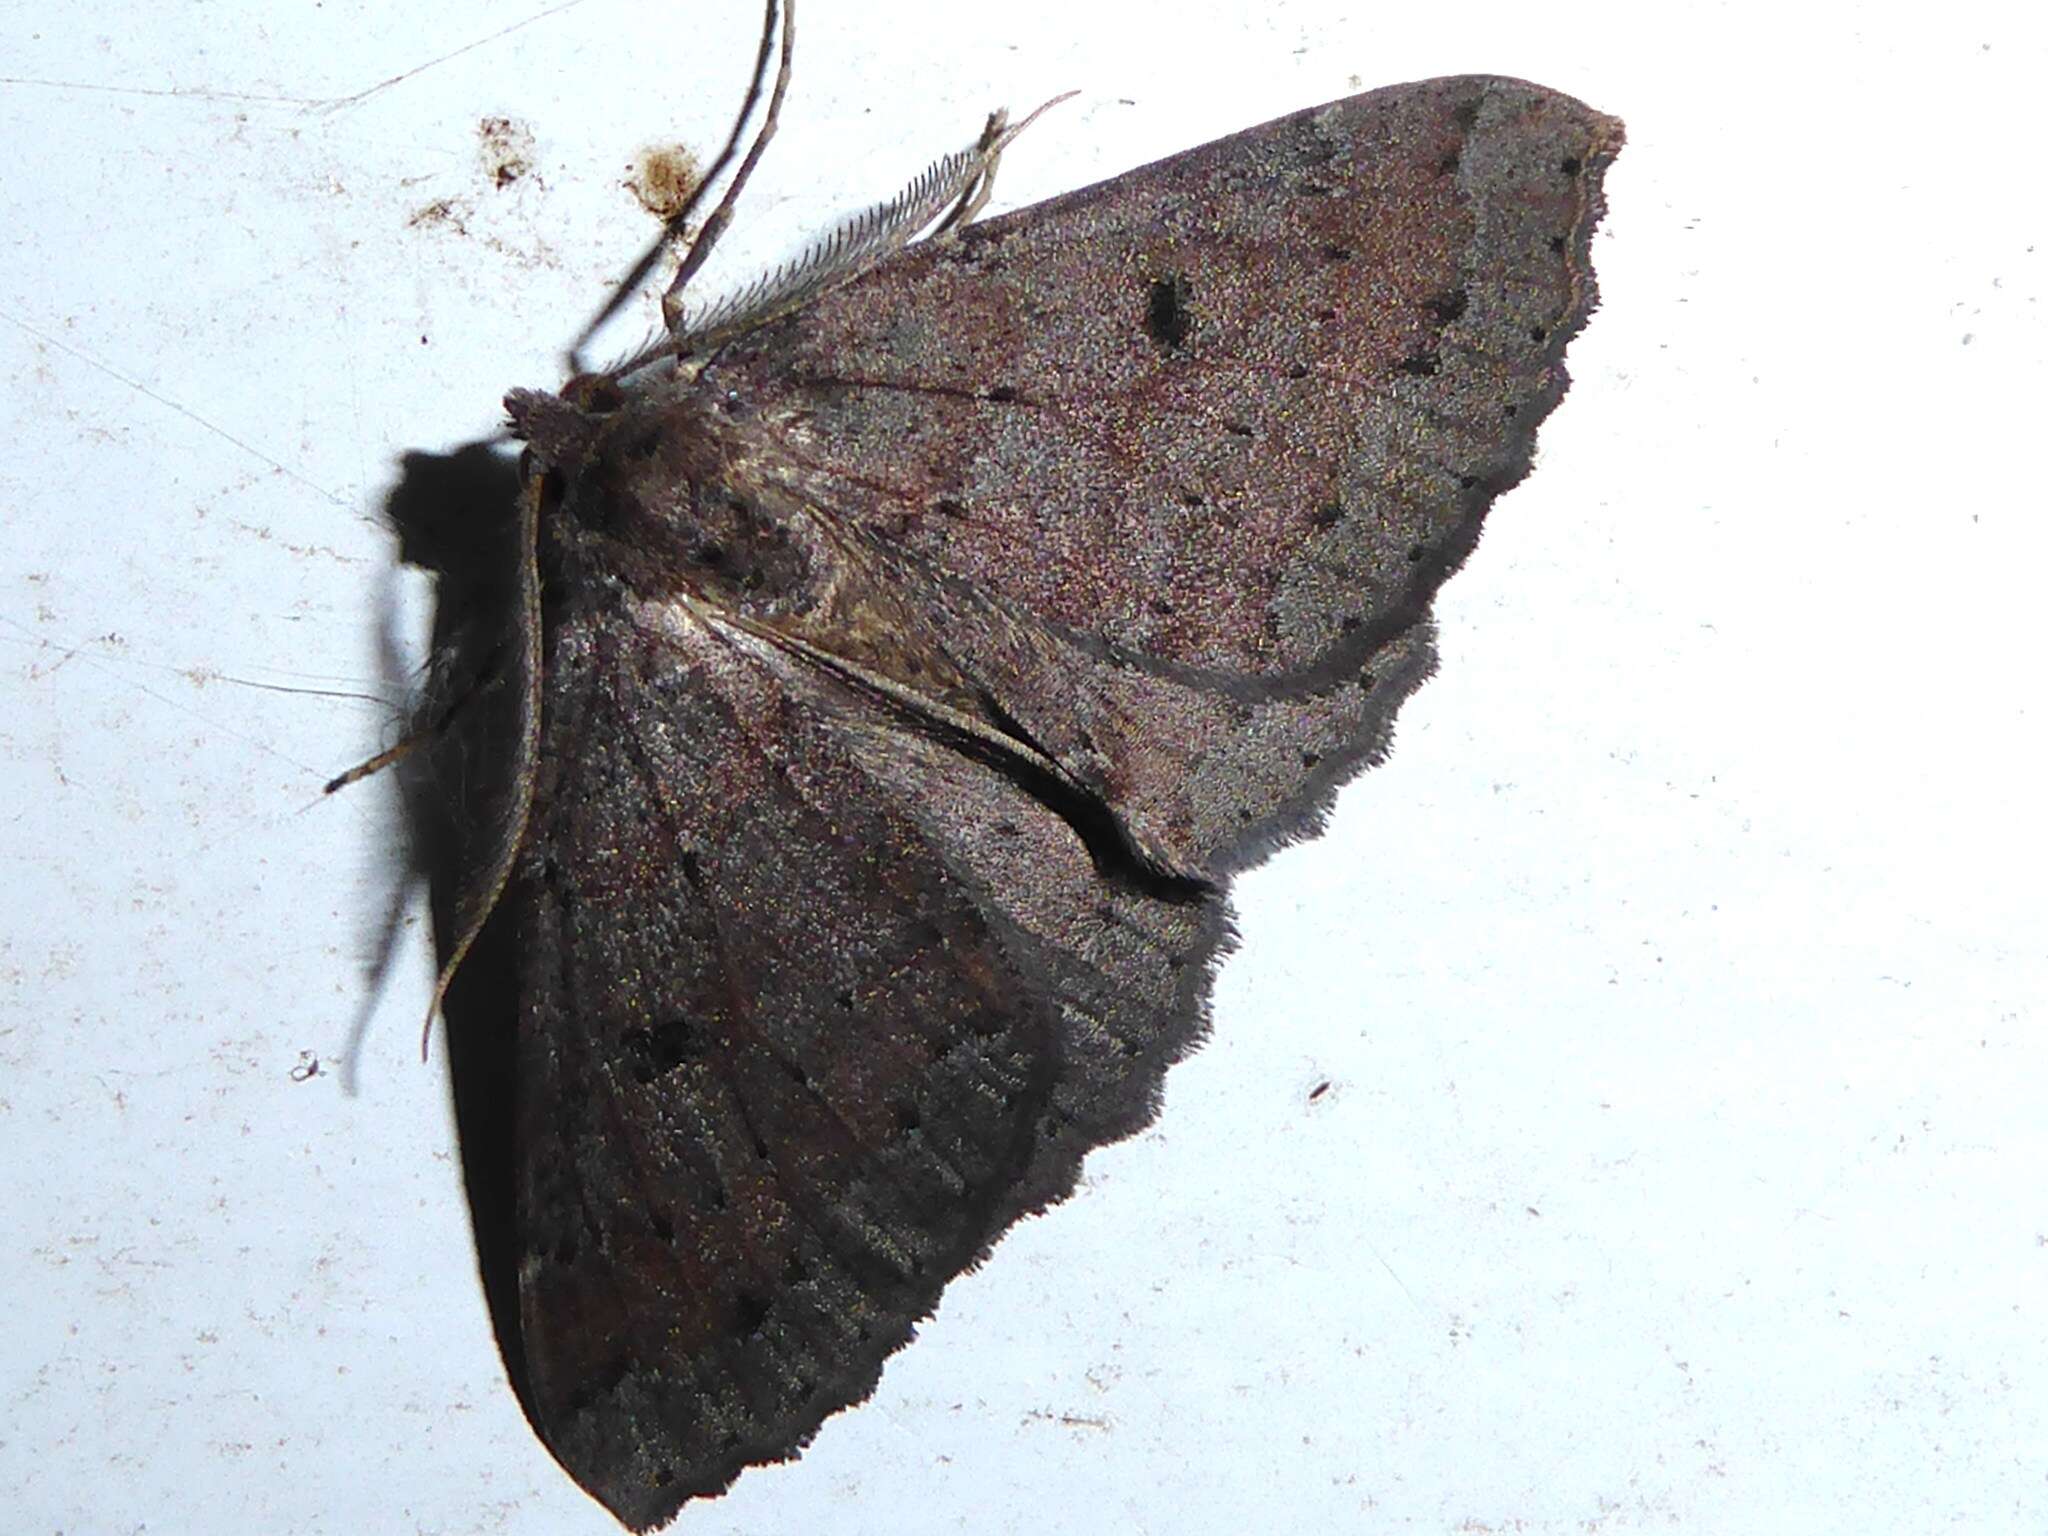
x=563 y=429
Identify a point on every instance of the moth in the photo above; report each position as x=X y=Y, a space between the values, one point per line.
x=902 y=658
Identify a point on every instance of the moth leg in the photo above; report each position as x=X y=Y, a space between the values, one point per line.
x=394 y=754
x=475 y=907
x=420 y=735
x=995 y=138
x=974 y=196
x=675 y=231
x=700 y=248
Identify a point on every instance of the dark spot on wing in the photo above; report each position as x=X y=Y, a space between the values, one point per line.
x=1166 y=311
x=1447 y=306
x=657 y=1050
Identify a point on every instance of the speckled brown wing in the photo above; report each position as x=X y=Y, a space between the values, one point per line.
x=812 y=1006
x=1194 y=448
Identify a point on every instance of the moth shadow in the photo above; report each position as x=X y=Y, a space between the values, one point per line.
x=456 y=518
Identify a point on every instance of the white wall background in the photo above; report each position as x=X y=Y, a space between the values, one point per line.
x=1681 y=982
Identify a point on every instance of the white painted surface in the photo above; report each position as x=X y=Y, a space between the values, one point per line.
x=1680 y=983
